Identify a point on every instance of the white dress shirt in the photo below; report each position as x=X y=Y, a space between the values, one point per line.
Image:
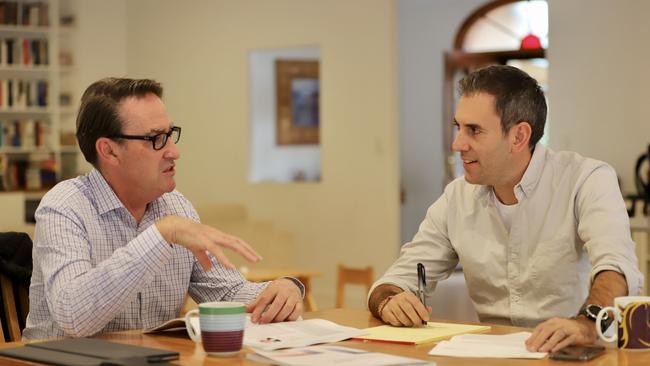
x=96 y=270
x=570 y=224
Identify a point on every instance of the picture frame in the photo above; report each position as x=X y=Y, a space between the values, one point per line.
x=298 y=102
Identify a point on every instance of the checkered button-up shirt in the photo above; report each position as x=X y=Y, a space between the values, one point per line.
x=97 y=270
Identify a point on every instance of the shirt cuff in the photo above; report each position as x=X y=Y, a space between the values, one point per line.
x=297 y=283
x=634 y=283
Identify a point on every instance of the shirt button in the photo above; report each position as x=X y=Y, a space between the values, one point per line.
x=515 y=298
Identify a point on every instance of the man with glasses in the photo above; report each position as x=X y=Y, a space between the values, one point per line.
x=119 y=247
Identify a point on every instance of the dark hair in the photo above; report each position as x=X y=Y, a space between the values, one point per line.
x=518 y=97
x=98 y=114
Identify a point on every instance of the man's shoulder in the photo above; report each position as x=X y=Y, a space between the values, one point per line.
x=69 y=192
x=573 y=163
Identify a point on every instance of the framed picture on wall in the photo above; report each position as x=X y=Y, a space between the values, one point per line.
x=298 y=102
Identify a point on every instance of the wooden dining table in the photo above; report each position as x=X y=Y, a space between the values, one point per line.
x=192 y=354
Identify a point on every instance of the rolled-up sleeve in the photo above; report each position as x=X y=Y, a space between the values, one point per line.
x=604 y=227
x=430 y=246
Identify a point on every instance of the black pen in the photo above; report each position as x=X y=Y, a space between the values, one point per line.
x=422 y=285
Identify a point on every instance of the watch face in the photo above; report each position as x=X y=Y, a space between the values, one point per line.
x=593 y=310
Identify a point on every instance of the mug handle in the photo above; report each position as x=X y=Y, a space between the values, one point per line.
x=599 y=318
x=190 y=329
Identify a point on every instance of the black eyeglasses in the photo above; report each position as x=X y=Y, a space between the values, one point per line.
x=158 y=141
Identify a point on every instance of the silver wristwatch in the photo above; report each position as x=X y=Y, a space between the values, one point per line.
x=590 y=311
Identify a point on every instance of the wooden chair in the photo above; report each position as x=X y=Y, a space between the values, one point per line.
x=356 y=276
x=10 y=304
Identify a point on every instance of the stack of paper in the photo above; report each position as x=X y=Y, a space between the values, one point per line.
x=296 y=334
x=484 y=345
x=430 y=333
x=333 y=355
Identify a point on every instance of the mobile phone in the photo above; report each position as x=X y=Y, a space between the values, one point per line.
x=577 y=353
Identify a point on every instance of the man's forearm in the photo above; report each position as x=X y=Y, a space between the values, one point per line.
x=607 y=285
x=380 y=293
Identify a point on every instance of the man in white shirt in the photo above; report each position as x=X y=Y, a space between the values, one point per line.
x=543 y=236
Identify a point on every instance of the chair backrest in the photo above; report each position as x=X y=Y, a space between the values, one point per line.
x=10 y=304
x=357 y=276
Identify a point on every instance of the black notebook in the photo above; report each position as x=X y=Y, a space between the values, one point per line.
x=89 y=352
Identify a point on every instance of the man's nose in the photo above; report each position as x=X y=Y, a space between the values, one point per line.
x=171 y=151
x=459 y=144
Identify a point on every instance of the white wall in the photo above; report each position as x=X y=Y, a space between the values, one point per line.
x=199 y=51
x=99 y=41
x=270 y=162
x=598 y=58
x=426 y=30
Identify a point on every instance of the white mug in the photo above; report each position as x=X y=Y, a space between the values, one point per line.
x=632 y=317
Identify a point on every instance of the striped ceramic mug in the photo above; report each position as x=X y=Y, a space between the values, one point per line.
x=222 y=327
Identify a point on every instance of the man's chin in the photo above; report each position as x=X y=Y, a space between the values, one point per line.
x=471 y=180
x=171 y=186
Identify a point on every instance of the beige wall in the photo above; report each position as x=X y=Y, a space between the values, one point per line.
x=200 y=53
x=599 y=93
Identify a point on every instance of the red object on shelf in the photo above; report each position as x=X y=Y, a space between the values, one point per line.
x=530 y=42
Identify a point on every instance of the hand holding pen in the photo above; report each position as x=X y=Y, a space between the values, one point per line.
x=406 y=309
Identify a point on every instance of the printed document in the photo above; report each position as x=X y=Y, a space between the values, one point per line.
x=299 y=333
x=326 y=355
x=486 y=345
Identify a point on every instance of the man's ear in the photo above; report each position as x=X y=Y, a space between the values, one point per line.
x=107 y=151
x=520 y=136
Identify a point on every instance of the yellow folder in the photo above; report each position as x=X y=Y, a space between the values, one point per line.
x=430 y=333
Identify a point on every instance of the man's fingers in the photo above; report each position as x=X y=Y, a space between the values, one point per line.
x=262 y=302
x=250 y=307
x=279 y=299
x=418 y=307
x=389 y=317
x=236 y=244
x=556 y=337
x=257 y=312
x=218 y=253
x=566 y=342
x=401 y=317
x=537 y=339
x=287 y=309
x=407 y=309
x=297 y=310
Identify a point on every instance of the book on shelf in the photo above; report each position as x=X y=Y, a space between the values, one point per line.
x=20 y=51
x=9 y=13
x=28 y=173
x=16 y=94
x=26 y=13
x=25 y=133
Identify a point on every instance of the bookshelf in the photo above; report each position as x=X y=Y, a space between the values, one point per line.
x=35 y=152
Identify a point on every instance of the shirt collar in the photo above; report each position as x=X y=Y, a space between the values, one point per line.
x=533 y=171
x=528 y=181
x=104 y=195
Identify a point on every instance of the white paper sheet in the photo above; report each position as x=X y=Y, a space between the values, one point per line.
x=486 y=345
x=296 y=334
x=327 y=355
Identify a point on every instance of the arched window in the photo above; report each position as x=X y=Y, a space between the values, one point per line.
x=513 y=32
